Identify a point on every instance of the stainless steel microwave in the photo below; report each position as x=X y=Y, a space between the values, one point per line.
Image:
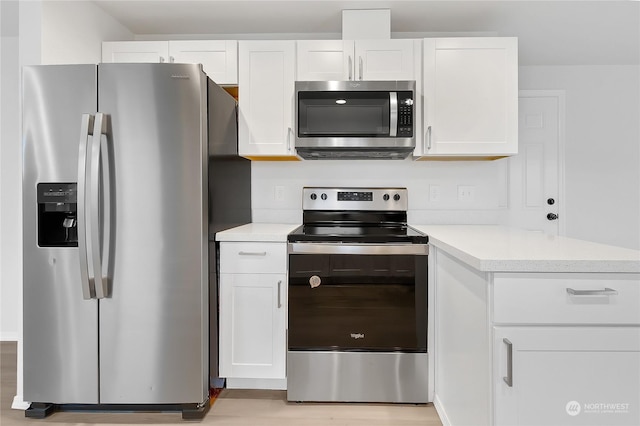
x=354 y=119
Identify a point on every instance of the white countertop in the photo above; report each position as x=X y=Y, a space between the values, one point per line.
x=489 y=248
x=259 y=232
x=502 y=249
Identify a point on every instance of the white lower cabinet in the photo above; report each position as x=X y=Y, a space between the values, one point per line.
x=253 y=300
x=252 y=326
x=574 y=344
x=535 y=348
x=566 y=375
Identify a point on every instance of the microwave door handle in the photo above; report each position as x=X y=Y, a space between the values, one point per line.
x=393 y=114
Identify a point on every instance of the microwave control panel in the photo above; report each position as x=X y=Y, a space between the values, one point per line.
x=405 y=114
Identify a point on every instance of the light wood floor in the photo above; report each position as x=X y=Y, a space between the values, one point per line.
x=232 y=408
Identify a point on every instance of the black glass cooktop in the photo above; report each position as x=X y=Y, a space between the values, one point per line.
x=373 y=233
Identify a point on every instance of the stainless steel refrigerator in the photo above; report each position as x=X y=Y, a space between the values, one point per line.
x=116 y=162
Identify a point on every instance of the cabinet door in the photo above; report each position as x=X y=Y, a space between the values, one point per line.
x=325 y=60
x=471 y=96
x=567 y=376
x=135 y=51
x=265 y=84
x=219 y=58
x=252 y=326
x=385 y=60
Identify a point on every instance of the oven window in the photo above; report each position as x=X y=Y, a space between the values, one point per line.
x=357 y=302
x=343 y=114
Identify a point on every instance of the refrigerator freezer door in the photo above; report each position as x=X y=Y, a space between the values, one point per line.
x=154 y=322
x=60 y=333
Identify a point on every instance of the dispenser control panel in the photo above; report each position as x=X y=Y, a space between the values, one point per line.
x=57 y=193
x=57 y=218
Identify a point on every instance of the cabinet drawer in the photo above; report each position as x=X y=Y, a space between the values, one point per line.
x=247 y=258
x=555 y=298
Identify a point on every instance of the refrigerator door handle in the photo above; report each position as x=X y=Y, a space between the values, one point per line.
x=106 y=208
x=99 y=141
x=86 y=277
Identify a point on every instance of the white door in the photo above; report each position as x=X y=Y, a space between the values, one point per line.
x=535 y=174
x=566 y=376
x=252 y=326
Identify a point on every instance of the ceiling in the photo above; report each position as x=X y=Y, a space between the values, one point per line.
x=549 y=32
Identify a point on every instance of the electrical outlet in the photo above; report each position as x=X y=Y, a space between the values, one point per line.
x=466 y=193
x=278 y=193
x=434 y=193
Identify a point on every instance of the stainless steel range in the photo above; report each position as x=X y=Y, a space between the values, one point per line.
x=357 y=299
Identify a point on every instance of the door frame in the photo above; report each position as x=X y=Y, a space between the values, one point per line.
x=560 y=96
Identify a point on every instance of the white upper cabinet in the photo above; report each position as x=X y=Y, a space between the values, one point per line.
x=135 y=51
x=219 y=58
x=323 y=60
x=387 y=59
x=470 y=97
x=265 y=104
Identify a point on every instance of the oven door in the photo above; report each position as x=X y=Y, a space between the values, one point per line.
x=357 y=297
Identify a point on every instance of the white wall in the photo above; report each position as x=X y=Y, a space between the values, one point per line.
x=73 y=32
x=9 y=148
x=486 y=176
x=602 y=151
x=21 y=45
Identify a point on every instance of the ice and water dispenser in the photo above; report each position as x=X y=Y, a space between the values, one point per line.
x=57 y=218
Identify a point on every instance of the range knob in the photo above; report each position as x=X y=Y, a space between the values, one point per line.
x=396 y=197
x=323 y=196
x=313 y=196
x=385 y=197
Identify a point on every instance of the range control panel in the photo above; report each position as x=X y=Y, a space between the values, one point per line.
x=379 y=199
x=355 y=196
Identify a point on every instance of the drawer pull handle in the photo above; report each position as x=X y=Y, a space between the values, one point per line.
x=252 y=253
x=606 y=292
x=509 y=377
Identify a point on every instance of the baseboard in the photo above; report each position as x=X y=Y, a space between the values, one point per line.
x=19 y=403
x=274 y=384
x=440 y=410
x=9 y=337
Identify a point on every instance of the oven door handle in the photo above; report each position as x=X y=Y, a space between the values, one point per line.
x=341 y=248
